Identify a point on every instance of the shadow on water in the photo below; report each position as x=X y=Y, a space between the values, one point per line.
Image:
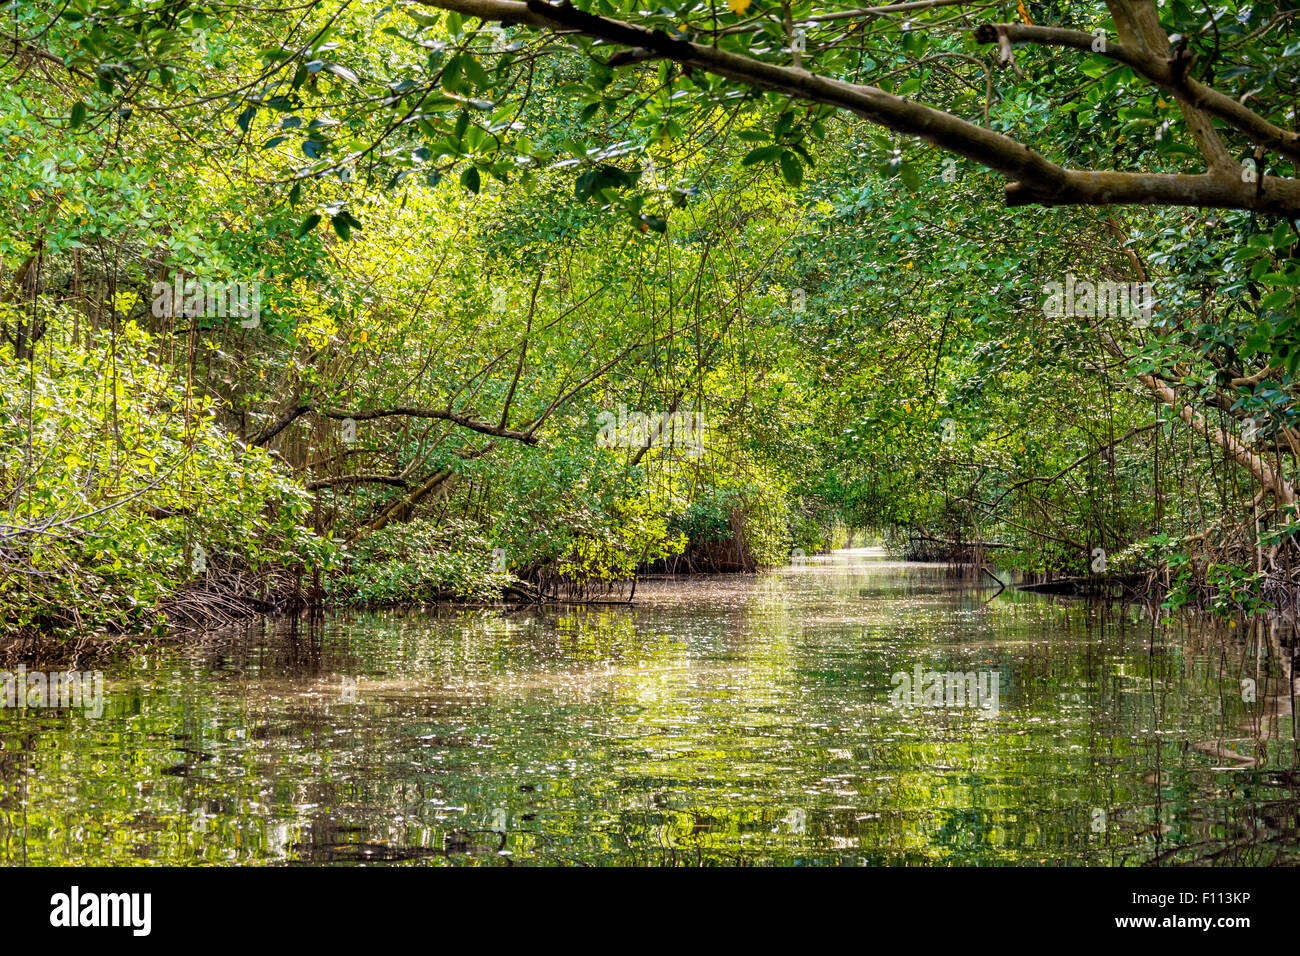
x=852 y=710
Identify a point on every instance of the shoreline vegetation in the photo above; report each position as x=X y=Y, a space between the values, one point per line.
x=464 y=299
x=223 y=599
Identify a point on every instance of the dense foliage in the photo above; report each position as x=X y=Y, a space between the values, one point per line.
x=506 y=308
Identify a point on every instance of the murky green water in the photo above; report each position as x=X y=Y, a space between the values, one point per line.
x=735 y=720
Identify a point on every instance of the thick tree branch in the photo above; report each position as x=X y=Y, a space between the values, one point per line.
x=282 y=421
x=1279 y=197
x=463 y=420
x=291 y=414
x=1035 y=179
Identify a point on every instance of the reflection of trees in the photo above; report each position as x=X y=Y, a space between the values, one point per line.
x=1252 y=818
x=744 y=722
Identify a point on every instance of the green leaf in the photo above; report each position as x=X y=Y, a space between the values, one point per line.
x=761 y=154
x=451 y=74
x=791 y=168
x=470 y=179
x=1276 y=299
x=308 y=224
x=474 y=71
x=78 y=115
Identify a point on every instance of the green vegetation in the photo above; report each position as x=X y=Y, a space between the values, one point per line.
x=382 y=302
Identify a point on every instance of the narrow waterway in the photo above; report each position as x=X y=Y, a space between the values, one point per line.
x=851 y=711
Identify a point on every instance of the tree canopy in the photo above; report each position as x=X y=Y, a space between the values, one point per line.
x=531 y=295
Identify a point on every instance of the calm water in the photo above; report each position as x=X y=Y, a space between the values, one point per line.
x=734 y=720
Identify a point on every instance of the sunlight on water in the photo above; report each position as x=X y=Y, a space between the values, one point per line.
x=777 y=718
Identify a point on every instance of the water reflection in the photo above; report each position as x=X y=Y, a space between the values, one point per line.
x=730 y=720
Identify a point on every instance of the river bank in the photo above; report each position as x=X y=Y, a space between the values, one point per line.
x=222 y=600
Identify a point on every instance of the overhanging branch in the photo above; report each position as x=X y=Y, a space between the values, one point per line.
x=1034 y=178
x=295 y=412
